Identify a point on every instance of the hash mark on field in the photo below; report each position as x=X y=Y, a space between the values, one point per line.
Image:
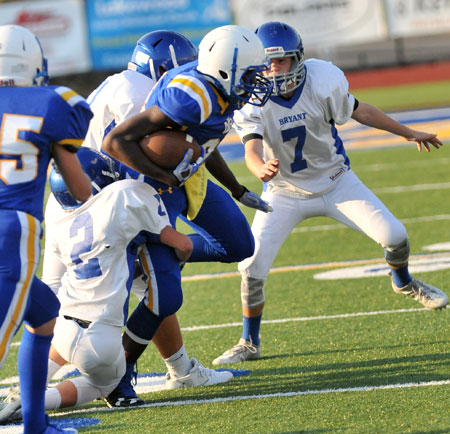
x=265 y=396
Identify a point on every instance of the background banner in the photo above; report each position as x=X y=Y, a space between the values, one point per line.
x=116 y=25
x=319 y=22
x=61 y=27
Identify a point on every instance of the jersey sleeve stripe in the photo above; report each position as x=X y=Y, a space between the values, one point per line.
x=197 y=91
x=70 y=96
x=72 y=142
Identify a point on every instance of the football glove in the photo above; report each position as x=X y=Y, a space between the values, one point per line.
x=185 y=168
x=252 y=200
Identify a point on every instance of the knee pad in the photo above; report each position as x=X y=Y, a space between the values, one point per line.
x=397 y=255
x=43 y=305
x=143 y=324
x=252 y=291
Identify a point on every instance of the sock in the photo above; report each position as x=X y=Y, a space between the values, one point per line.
x=53 y=368
x=32 y=366
x=52 y=398
x=178 y=363
x=401 y=276
x=250 y=328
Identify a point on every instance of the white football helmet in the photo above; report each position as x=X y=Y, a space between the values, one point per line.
x=233 y=58
x=22 y=62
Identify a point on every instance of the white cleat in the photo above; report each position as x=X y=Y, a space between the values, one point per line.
x=10 y=408
x=198 y=376
x=244 y=350
x=428 y=295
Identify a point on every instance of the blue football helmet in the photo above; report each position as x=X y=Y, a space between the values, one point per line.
x=157 y=52
x=282 y=40
x=233 y=58
x=100 y=168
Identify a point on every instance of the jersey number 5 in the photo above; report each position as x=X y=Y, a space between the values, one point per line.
x=18 y=158
x=91 y=268
x=298 y=133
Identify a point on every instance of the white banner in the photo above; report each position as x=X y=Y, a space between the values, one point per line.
x=60 y=25
x=417 y=17
x=319 y=22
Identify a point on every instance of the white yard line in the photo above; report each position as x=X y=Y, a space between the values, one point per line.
x=265 y=396
x=305 y=318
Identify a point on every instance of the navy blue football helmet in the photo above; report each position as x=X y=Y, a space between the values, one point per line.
x=282 y=40
x=99 y=167
x=157 y=52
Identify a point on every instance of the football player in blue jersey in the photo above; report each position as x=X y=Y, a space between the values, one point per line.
x=117 y=98
x=199 y=98
x=38 y=122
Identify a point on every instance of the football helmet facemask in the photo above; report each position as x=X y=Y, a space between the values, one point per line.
x=157 y=52
x=100 y=168
x=281 y=40
x=22 y=62
x=233 y=59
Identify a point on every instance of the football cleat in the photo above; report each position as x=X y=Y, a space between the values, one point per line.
x=124 y=395
x=244 y=350
x=11 y=408
x=198 y=376
x=428 y=295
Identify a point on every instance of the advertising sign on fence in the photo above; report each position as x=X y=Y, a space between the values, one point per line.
x=319 y=22
x=60 y=26
x=116 y=25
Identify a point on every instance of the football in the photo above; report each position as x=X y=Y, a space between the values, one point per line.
x=166 y=148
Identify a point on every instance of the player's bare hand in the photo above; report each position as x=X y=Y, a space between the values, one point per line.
x=269 y=169
x=426 y=140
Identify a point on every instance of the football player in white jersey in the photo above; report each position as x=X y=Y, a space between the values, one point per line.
x=292 y=144
x=117 y=98
x=98 y=242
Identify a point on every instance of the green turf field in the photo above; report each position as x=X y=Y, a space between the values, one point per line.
x=339 y=356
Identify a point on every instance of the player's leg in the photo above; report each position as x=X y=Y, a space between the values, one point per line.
x=353 y=204
x=183 y=371
x=33 y=353
x=270 y=231
x=214 y=241
x=163 y=298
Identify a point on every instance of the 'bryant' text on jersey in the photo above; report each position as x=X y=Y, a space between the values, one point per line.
x=292 y=118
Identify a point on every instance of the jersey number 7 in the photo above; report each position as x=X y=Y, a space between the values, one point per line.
x=298 y=133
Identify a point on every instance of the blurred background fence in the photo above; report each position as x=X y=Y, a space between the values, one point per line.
x=86 y=40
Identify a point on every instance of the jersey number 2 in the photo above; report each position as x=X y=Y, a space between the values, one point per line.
x=298 y=133
x=91 y=268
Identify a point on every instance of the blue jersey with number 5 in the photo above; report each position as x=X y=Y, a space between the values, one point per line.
x=32 y=119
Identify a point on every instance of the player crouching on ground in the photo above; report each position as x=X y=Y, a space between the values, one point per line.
x=98 y=242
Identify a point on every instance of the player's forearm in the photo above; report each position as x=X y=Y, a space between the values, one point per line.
x=373 y=117
x=218 y=168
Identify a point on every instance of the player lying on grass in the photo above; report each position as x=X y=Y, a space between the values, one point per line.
x=292 y=144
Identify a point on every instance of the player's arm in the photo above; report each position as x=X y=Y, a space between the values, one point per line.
x=69 y=166
x=373 y=117
x=122 y=143
x=218 y=167
x=181 y=243
x=263 y=170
